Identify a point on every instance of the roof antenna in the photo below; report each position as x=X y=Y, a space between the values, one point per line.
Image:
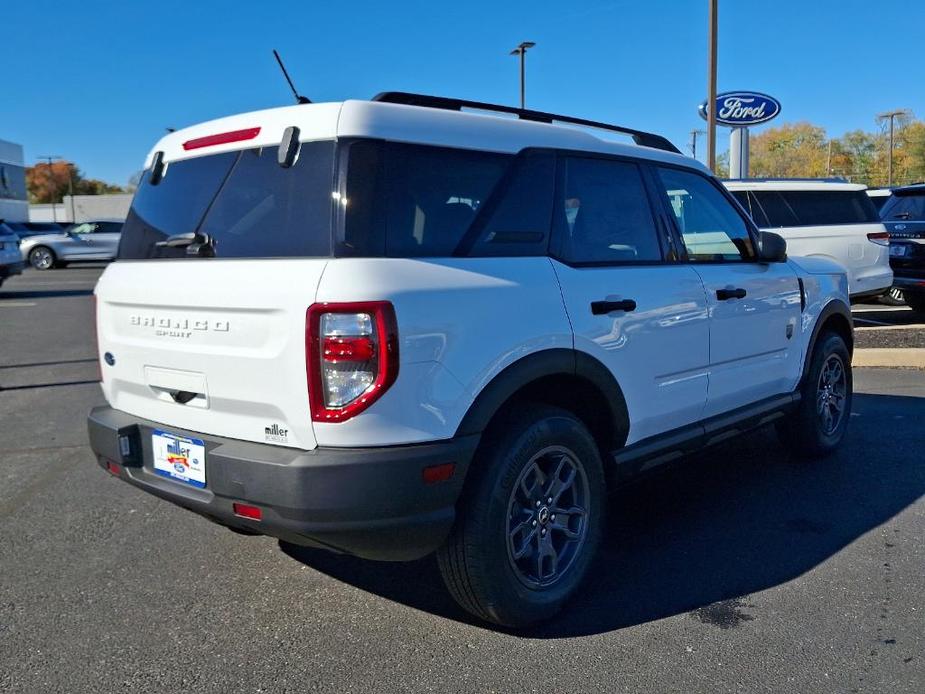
x=298 y=97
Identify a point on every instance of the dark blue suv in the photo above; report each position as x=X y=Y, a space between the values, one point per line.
x=904 y=217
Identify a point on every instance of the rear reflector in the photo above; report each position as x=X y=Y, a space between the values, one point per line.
x=113 y=468
x=881 y=238
x=438 y=473
x=247 y=511
x=222 y=138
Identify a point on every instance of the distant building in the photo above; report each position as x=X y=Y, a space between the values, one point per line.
x=14 y=202
x=83 y=208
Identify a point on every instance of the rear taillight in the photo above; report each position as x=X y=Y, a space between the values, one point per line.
x=881 y=238
x=351 y=353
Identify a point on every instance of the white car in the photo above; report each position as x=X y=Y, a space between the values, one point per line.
x=824 y=219
x=392 y=327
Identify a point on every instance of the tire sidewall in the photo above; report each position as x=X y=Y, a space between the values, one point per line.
x=516 y=603
x=831 y=344
x=32 y=256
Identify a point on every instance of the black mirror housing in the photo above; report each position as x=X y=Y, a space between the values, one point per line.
x=772 y=248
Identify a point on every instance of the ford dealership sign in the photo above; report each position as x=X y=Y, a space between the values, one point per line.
x=742 y=109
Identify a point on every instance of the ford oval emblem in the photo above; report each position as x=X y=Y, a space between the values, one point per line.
x=109 y=358
x=741 y=109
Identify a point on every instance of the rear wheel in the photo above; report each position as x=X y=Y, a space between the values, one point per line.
x=530 y=520
x=916 y=301
x=42 y=258
x=818 y=425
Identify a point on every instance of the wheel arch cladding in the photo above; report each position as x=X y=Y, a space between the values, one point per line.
x=566 y=378
x=834 y=317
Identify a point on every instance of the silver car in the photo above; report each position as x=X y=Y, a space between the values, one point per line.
x=79 y=242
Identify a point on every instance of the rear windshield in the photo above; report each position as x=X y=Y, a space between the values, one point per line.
x=245 y=201
x=903 y=206
x=800 y=208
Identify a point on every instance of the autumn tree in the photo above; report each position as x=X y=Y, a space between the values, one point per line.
x=49 y=183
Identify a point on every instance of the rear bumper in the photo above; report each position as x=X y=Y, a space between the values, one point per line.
x=369 y=502
x=913 y=283
x=10 y=269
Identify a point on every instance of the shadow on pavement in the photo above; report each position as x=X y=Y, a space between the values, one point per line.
x=701 y=537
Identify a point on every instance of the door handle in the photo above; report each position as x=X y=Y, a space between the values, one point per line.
x=600 y=308
x=725 y=294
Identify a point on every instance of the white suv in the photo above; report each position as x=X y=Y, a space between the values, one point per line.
x=825 y=219
x=394 y=327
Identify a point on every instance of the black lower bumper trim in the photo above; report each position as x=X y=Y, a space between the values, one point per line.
x=369 y=502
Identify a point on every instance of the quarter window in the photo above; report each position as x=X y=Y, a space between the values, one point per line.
x=711 y=228
x=603 y=215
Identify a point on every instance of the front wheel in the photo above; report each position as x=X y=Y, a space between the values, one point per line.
x=42 y=258
x=530 y=520
x=818 y=425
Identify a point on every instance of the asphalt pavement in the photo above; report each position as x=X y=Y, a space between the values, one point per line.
x=739 y=570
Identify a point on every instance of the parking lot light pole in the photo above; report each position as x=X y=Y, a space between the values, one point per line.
x=51 y=177
x=711 y=87
x=694 y=135
x=891 y=115
x=521 y=50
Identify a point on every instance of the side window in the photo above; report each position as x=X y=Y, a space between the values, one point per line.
x=515 y=220
x=85 y=228
x=711 y=228
x=602 y=214
x=777 y=211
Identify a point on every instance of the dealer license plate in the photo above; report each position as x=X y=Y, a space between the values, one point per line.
x=179 y=458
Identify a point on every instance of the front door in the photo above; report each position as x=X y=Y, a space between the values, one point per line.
x=755 y=309
x=631 y=306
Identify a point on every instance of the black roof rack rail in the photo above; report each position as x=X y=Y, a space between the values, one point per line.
x=639 y=137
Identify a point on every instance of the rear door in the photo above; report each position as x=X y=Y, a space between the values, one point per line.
x=630 y=304
x=755 y=350
x=214 y=341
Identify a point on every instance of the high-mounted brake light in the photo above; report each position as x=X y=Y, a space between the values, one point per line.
x=351 y=353
x=881 y=238
x=222 y=138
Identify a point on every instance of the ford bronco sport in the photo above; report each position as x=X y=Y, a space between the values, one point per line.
x=399 y=326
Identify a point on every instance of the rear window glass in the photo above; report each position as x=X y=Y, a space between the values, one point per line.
x=790 y=208
x=250 y=205
x=905 y=207
x=410 y=201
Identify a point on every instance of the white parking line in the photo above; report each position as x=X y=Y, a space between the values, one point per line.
x=913 y=326
x=15 y=304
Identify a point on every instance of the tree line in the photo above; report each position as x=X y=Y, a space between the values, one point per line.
x=49 y=183
x=804 y=150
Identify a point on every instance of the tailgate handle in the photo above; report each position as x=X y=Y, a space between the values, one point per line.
x=183 y=396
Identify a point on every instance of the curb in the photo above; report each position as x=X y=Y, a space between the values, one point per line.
x=908 y=358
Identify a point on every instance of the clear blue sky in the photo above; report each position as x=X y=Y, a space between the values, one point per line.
x=98 y=82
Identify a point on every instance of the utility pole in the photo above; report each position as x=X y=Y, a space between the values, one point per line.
x=694 y=134
x=51 y=178
x=521 y=51
x=892 y=115
x=711 y=87
x=828 y=161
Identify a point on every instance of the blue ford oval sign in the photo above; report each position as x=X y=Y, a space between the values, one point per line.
x=741 y=109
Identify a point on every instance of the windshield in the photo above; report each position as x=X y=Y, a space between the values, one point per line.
x=904 y=207
x=250 y=205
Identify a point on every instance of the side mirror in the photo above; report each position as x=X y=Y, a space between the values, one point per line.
x=772 y=248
